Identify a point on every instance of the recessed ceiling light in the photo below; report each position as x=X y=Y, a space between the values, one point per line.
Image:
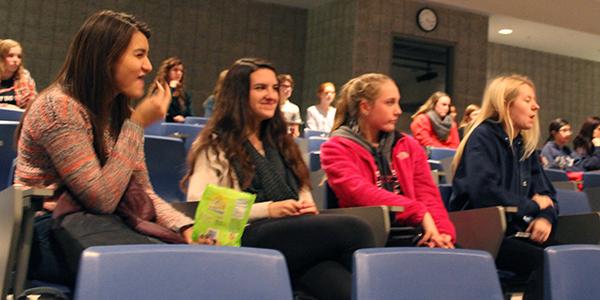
x=505 y=31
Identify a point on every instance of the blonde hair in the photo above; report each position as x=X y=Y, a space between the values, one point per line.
x=498 y=97
x=466 y=119
x=430 y=103
x=365 y=87
x=5 y=46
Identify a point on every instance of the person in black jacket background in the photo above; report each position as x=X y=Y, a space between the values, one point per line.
x=496 y=164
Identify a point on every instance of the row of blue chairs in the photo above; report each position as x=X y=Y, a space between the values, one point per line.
x=10 y=114
x=212 y=272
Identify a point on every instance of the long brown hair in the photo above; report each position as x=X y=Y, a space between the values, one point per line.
x=162 y=76
x=87 y=74
x=583 y=140
x=232 y=121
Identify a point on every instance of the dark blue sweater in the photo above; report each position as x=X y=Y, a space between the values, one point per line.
x=490 y=173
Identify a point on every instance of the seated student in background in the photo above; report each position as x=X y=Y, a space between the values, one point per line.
x=469 y=116
x=587 y=144
x=433 y=125
x=291 y=111
x=17 y=87
x=171 y=72
x=86 y=143
x=209 y=103
x=245 y=146
x=368 y=162
x=556 y=153
x=497 y=164
x=320 y=116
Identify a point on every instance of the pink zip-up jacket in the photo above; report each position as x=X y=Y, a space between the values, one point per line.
x=351 y=172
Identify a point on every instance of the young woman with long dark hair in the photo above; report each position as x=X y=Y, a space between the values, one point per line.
x=246 y=146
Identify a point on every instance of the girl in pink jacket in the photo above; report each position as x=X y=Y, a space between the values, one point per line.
x=369 y=163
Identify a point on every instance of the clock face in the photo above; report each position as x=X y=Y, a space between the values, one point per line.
x=427 y=19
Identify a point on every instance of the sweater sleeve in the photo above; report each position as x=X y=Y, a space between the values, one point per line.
x=207 y=170
x=166 y=215
x=64 y=134
x=453 y=139
x=478 y=181
x=311 y=122
x=352 y=187
x=427 y=192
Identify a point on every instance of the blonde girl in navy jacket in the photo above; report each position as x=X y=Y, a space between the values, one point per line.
x=496 y=164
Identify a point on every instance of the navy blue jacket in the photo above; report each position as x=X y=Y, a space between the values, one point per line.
x=490 y=173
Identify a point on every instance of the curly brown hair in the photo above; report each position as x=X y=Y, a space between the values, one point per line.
x=233 y=120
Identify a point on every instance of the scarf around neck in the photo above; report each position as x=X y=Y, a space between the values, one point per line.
x=273 y=180
x=440 y=126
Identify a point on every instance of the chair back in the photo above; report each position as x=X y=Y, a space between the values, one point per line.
x=186 y=132
x=424 y=273
x=155 y=128
x=591 y=179
x=488 y=233
x=311 y=132
x=571 y=272
x=7 y=114
x=196 y=120
x=572 y=202
x=181 y=272
x=165 y=159
x=556 y=175
x=7 y=150
x=315 y=142
x=445 y=192
x=441 y=153
x=314 y=161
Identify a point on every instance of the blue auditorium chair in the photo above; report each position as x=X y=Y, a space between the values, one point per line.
x=310 y=132
x=182 y=272
x=591 y=179
x=556 y=175
x=424 y=273
x=572 y=202
x=155 y=128
x=445 y=192
x=315 y=142
x=10 y=114
x=571 y=272
x=165 y=158
x=186 y=132
x=314 y=161
x=196 y=120
x=441 y=153
x=7 y=150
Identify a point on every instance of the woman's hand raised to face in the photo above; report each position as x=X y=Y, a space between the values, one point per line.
x=153 y=107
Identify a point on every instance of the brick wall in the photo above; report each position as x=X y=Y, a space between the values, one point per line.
x=207 y=35
x=566 y=87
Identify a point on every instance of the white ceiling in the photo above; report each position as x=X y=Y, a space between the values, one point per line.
x=565 y=27
x=557 y=26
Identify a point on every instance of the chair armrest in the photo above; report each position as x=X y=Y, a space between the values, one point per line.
x=578 y=229
x=481 y=229
x=378 y=218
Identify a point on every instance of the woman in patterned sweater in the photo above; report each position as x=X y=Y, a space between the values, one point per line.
x=83 y=140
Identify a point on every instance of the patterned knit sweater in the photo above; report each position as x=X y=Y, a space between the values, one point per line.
x=56 y=149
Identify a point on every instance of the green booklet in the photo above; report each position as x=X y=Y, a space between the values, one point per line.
x=222 y=214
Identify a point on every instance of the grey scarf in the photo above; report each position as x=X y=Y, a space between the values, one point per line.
x=440 y=127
